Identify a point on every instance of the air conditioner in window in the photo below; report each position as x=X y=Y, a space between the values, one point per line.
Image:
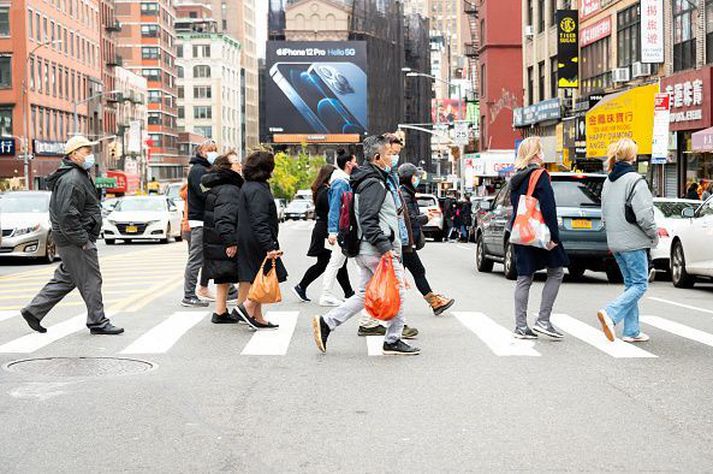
x=529 y=31
x=620 y=75
x=640 y=70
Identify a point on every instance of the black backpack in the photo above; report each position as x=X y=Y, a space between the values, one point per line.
x=348 y=233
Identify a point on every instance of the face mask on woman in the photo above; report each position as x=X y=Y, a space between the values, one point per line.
x=211 y=156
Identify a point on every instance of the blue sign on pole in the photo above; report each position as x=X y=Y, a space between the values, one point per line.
x=7 y=146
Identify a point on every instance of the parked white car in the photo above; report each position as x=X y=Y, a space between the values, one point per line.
x=173 y=192
x=143 y=218
x=667 y=213
x=691 y=246
x=434 y=226
x=26 y=229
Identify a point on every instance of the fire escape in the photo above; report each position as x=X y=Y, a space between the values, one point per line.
x=472 y=47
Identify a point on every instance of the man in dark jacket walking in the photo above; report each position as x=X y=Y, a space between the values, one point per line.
x=76 y=220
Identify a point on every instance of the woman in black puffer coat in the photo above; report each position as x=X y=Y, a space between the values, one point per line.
x=220 y=230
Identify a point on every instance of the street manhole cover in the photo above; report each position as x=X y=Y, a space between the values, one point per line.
x=80 y=366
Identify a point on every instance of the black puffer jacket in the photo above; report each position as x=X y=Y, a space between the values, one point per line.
x=416 y=219
x=220 y=224
x=196 y=195
x=74 y=207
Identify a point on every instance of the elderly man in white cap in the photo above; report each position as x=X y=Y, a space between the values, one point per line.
x=76 y=219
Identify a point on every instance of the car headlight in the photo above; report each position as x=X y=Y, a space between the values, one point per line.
x=112 y=222
x=26 y=230
x=148 y=223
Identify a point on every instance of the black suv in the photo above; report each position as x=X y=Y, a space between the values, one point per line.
x=579 y=215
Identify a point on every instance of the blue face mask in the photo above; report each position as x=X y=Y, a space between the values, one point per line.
x=394 y=161
x=416 y=181
x=88 y=162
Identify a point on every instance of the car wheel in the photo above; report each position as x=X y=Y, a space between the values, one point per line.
x=679 y=275
x=482 y=264
x=168 y=235
x=509 y=262
x=576 y=271
x=50 y=249
x=109 y=241
x=613 y=273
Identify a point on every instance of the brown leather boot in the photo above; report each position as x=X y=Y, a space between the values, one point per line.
x=439 y=303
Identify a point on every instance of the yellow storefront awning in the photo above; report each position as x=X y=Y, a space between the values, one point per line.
x=628 y=114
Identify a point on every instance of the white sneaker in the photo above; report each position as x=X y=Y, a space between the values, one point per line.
x=607 y=325
x=641 y=337
x=330 y=301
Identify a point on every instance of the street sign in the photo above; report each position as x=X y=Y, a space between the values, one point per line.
x=662 y=114
x=460 y=133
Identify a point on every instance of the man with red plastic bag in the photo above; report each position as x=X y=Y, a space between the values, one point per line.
x=376 y=209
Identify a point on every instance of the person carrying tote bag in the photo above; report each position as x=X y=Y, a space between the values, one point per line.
x=548 y=253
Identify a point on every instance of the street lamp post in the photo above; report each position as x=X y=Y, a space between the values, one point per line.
x=26 y=108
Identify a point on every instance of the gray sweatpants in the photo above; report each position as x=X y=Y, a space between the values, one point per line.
x=79 y=269
x=549 y=294
x=194 y=263
x=367 y=266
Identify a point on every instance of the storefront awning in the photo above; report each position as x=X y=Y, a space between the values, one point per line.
x=702 y=141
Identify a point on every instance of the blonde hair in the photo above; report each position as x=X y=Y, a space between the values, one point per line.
x=530 y=148
x=622 y=150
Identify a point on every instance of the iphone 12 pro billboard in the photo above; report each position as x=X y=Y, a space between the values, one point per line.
x=316 y=87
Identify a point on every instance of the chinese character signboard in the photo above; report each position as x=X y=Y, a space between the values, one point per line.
x=567 y=49
x=589 y=8
x=595 y=32
x=628 y=114
x=652 y=31
x=7 y=146
x=659 y=145
x=690 y=99
x=48 y=148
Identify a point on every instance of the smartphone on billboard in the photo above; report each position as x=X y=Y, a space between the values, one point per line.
x=287 y=76
x=345 y=82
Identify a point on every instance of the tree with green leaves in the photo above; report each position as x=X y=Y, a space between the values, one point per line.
x=293 y=173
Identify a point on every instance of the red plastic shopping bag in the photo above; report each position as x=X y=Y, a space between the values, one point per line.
x=382 y=299
x=529 y=227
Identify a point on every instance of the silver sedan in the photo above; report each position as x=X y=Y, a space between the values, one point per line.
x=26 y=228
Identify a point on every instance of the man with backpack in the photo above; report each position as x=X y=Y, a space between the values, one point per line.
x=376 y=235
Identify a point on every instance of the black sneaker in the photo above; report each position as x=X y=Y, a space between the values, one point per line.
x=375 y=331
x=225 y=318
x=194 y=302
x=399 y=348
x=109 y=329
x=32 y=321
x=524 y=333
x=300 y=293
x=321 y=332
x=267 y=326
x=234 y=314
x=547 y=329
x=247 y=319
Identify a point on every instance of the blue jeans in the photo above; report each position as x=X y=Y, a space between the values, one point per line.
x=634 y=266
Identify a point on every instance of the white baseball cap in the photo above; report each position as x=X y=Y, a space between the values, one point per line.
x=77 y=142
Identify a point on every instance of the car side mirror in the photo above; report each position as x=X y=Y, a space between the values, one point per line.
x=485 y=205
x=688 y=213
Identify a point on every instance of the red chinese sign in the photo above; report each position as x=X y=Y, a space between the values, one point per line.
x=595 y=32
x=690 y=99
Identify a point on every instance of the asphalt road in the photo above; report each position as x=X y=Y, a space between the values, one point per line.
x=474 y=400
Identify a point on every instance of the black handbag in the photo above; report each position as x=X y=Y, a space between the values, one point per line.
x=421 y=242
x=629 y=213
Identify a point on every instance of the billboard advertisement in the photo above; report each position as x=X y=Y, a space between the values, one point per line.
x=448 y=110
x=567 y=49
x=316 y=87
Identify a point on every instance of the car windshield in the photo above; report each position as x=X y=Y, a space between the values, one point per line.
x=578 y=191
x=301 y=204
x=426 y=202
x=24 y=204
x=672 y=209
x=141 y=205
x=173 y=191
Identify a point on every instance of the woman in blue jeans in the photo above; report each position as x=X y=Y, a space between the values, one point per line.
x=630 y=235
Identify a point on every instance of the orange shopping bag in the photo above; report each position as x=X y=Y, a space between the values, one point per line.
x=382 y=299
x=265 y=288
x=529 y=227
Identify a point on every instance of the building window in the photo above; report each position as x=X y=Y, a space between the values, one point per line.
x=553 y=12
x=149 y=31
x=150 y=52
x=154 y=97
x=5 y=21
x=179 y=51
x=596 y=65
x=202 y=112
x=629 y=36
x=6 y=72
x=541 y=80
x=201 y=71
x=5 y=120
x=181 y=92
x=684 y=34
x=540 y=16
x=202 y=92
x=201 y=51
x=149 y=8
x=530 y=13
x=204 y=131
x=179 y=71
x=553 y=76
x=151 y=74
x=709 y=31
x=154 y=118
x=181 y=112
x=530 y=86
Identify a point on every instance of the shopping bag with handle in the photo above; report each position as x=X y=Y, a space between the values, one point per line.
x=529 y=227
x=265 y=288
x=382 y=299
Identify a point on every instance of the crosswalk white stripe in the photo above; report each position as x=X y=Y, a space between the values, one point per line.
x=687 y=306
x=273 y=342
x=498 y=339
x=8 y=315
x=35 y=341
x=164 y=335
x=375 y=345
x=679 y=329
x=595 y=337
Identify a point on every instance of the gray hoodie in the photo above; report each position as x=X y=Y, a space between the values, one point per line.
x=621 y=235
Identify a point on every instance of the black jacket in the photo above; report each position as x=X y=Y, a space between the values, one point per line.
x=74 y=207
x=320 y=233
x=528 y=259
x=408 y=193
x=196 y=195
x=370 y=183
x=220 y=226
x=258 y=230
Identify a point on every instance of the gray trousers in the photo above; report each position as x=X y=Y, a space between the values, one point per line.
x=194 y=263
x=549 y=294
x=79 y=269
x=367 y=266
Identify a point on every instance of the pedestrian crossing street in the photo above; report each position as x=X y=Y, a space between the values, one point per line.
x=170 y=333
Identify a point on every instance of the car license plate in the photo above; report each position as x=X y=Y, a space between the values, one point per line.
x=131 y=229
x=581 y=224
